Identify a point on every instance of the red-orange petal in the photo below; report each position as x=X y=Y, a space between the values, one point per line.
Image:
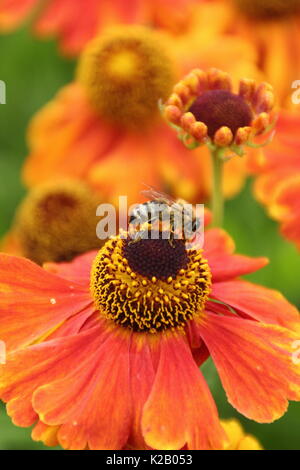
x=257 y=302
x=13 y=12
x=86 y=319
x=76 y=136
x=216 y=242
x=65 y=18
x=142 y=376
x=77 y=270
x=45 y=362
x=79 y=383
x=180 y=409
x=255 y=364
x=285 y=206
x=91 y=400
x=224 y=267
x=291 y=230
x=33 y=301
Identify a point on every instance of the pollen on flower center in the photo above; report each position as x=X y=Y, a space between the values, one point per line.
x=123 y=65
x=138 y=293
x=268 y=9
x=57 y=221
x=218 y=108
x=125 y=73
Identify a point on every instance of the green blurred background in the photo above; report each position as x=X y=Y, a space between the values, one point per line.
x=33 y=71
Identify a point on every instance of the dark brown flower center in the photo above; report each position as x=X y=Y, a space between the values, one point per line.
x=218 y=108
x=143 y=304
x=159 y=258
x=268 y=9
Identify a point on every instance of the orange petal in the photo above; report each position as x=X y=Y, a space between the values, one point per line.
x=65 y=18
x=266 y=184
x=34 y=301
x=91 y=400
x=13 y=12
x=218 y=249
x=224 y=267
x=44 y=362
x=86 y=319
x=180 y=409
x=287 y=197
x=217 y=242
x=257 y=302
x=285 y=207
x=46 y=434
x=65 y=138
x=77 y=270
x=142 y=376
x=255 y=364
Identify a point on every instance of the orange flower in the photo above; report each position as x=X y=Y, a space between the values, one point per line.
x=205 y=110
x=273 y=26
x=105 y=126
x=277 y=185
x=74 y=22
x=111 y=360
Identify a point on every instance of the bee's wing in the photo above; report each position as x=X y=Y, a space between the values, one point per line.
x=152 y=193
x=177 y=205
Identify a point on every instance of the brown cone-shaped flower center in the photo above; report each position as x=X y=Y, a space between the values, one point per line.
x=268 y=9
x=57 y=221
x=156 y=288
x=218 y=108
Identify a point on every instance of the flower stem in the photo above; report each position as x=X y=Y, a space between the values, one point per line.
x=217 y=201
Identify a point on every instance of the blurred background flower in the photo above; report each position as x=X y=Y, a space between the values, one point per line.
x=108 y=118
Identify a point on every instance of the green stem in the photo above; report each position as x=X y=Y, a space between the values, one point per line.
x=217 y=202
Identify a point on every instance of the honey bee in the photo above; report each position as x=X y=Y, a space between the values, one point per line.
x=174 y=219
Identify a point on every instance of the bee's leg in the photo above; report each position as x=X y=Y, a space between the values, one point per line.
x=141 y=235
x=171 y=242
x=135 y=240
